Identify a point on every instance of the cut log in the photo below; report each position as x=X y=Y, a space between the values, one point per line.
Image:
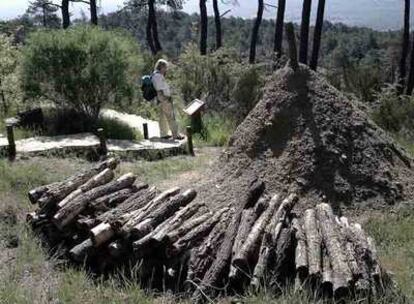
x=270 y=239
x=86 y=223
x=188 y=227
x=101 y=234
x=112 y=200
x=249 y=216
x=327 y=275
x=129 y=220
x=59 y=192
x=100 y=179
x=159 y=235
x=194 y=231
x=255 y=236
x=282 y=265
x=342 y=275
x=301 y=253
x=36 y=194
x=203 y=256
x=140 y=227
x=68 y=213
x=81 y=251
x=314 y=242
x=140 y=199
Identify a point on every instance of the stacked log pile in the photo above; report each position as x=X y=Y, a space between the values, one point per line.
x=105 y=223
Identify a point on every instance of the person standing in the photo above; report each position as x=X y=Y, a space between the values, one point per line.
x=167 y=117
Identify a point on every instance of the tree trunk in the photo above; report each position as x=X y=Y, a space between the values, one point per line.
x=317 y=35
x=293 y=51
x=255 y=32
x=94 y=12
x=154 y=26
x=217 y=21
x=203 y=27
x=149 y=29
x=405 y=47
x=280 y=19
x=304 y=31
x=410 y=83
x=65 y=14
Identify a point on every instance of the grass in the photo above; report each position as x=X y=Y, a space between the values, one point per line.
x=394 y=234
x=116 y=129
x=28 y=274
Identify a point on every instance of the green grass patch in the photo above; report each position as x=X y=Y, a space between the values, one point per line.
x=394 y=234
x=217 y=130
x=158 y=171
x=116 y=129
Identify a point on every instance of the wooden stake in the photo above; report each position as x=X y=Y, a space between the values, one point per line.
x=12 y=144
x=190 y=140
x=145 y=128
x=103 y=150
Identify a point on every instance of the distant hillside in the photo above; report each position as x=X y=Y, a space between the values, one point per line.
x=377 y=14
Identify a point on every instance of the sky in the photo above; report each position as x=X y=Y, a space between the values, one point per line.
x=379 y=14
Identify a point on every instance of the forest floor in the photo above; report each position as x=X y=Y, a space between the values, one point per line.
x=29 y=275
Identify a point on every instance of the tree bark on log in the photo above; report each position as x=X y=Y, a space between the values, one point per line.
x=270 y=239
x=249 y=216
x=162 y=213
x=301 y=253
x=202 y=257
x=59 y=192
x=81 y=251
x=342 y=274
x=195 y=232
x=327 y=275
x=254 y=238
x=314 y=242
x=283 y=265
x=68 y=213
x=158 y=236
x=112 y=200
x=98 y=180
x=127 y=222
x=137 y=201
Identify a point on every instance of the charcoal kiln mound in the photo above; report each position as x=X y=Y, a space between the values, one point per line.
x=306 y=135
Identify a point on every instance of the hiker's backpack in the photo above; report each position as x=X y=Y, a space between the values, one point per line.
x=147 y=88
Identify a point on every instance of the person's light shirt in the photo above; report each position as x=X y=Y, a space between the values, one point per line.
x=158 y=80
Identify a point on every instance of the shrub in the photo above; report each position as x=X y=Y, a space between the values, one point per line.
x=221 y=79
x=81 y=68
x=218 y=130
x=395 y=113
x=9 y=73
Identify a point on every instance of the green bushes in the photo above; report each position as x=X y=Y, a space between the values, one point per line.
x=217 y=130
x=82 y=68
x=221 y=79
x=9 y=74
x=395 y=113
